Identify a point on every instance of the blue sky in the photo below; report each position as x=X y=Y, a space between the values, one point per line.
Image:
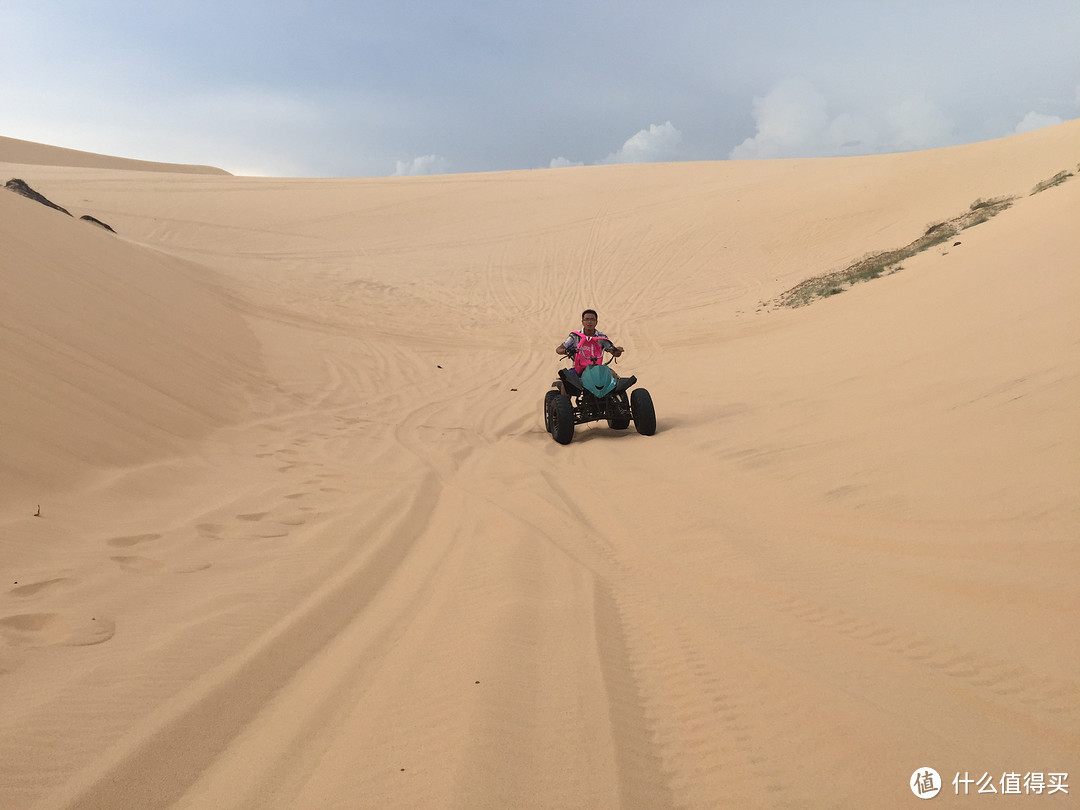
x=368 y=89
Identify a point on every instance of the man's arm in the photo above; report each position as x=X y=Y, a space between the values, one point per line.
x=611 y=347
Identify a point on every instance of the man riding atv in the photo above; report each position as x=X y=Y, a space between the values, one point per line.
x=591 y=391
x=587 y=346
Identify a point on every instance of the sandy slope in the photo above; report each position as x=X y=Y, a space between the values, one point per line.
x=304 y=542
x=14 y=150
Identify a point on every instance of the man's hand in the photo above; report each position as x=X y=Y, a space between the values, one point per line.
x=616 y=350
x=560 y=349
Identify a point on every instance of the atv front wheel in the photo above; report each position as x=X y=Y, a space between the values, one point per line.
x=549 y=409
x=562 y=424
x=642 y=408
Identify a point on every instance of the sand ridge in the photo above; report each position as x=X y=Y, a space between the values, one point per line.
x=304 y=543
x=37 y=154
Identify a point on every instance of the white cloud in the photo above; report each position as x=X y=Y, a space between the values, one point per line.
x=657 y=143
x=851 y=135
x=915 y=122
x=562 y=163
x=1034 y=120
x=793 y=120
x=425 y=164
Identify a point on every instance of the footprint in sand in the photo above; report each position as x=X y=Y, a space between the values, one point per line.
x=146 y=565
x=54 y=629
x=33 y=588
x=190 y=569
x=271 y=530
x=139 y=565
x=293 y=520
x=132 y=540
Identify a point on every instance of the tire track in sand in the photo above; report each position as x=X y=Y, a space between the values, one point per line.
x=155 y=767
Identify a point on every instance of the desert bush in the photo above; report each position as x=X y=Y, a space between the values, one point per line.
x=1056 y=180
x=888 y=262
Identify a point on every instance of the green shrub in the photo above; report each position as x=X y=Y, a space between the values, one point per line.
x=1056 y=180
x=887 y=262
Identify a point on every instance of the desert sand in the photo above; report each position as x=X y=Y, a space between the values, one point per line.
x=281 y=527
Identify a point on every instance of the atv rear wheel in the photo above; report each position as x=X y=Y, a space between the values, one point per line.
x=562 y=423
x=642 y=408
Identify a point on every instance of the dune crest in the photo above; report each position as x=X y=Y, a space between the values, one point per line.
x=13 y=150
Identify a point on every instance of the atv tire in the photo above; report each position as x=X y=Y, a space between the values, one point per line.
x=623 y=422
x=549 y=409
x=562 y=422
x=642 y=408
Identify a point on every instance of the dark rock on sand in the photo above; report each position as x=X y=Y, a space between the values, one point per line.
x=98 y=222
x=20 y=187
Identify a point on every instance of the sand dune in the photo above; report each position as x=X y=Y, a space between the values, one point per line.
x=304 y=542
x=14 y=150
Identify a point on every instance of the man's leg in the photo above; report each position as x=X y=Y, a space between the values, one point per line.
x=571 y=375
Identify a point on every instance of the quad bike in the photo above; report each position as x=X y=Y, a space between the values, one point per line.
x=597 y=394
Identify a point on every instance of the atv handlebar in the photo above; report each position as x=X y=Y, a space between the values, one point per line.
x=612 y=350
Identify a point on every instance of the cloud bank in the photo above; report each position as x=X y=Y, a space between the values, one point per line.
x=793 y=119
x=562 y=163
x=657 y=143
x=1035 y=120
x=425 y=164
x=652 y=145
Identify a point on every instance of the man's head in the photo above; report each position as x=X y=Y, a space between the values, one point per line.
x=588 y=321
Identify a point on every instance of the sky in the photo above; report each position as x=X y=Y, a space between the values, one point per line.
x=313 y=88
